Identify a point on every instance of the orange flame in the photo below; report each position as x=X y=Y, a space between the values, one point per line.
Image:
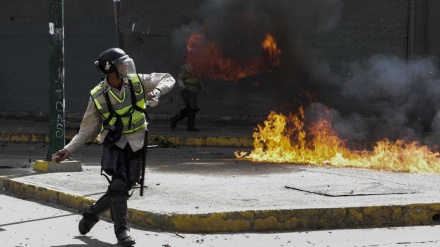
x=319 y=145
x=207 y=59
x=270 y=46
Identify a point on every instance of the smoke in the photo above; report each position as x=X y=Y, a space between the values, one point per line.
x=397 y=99
x=383 y=96
x=240 y=26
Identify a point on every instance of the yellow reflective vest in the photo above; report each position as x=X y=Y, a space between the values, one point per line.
x=130 y=108
x=190 y=81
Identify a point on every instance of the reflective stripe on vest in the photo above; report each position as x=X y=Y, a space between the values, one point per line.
x=132 y=122
x=190 y=80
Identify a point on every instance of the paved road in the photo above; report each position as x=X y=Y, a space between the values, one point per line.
x=24 y=222
x=23 y=154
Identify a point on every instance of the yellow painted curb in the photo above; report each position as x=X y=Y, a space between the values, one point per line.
x=44 y=194
x=182 y=141
x=210 y=141
x=63 y=166
x=41 y=165
x=22 y=137
x=250 y=221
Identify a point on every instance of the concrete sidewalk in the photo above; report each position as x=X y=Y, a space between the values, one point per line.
x=239 y=196
x=206 y=189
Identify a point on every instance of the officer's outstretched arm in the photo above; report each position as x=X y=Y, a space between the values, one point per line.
x=60 y=155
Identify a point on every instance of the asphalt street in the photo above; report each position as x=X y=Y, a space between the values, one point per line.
x=23 y=154
x=25 y=222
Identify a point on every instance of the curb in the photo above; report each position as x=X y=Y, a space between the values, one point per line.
x=23 y=137
x=11 y=136
x=208 y=141
x=63 y=166
x=251 y=220
x=182 y=141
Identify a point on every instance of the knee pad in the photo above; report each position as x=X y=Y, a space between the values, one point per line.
x=184 y=111
x=117 y=187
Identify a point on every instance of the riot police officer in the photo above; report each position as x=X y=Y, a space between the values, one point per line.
x=118 y=102
x=190 y=84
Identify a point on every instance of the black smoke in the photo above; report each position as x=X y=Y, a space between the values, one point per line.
x=399 y=99
x=239 y=27
x=381 y=97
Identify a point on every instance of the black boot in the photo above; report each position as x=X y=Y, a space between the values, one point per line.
x=173 y=123
x=91 y=214
x=119 y=212
x=191 y=120
x=179 y=116
x=124 y=238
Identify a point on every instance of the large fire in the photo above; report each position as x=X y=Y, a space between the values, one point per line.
x=207 y=59
x=285 y=139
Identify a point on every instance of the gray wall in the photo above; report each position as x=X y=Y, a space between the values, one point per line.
x=24 y=45
x=363 y=28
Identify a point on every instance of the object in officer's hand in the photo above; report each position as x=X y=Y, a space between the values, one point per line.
x=55 y=158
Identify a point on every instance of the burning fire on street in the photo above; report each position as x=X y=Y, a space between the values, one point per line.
x=388 y=88
x=285 y=139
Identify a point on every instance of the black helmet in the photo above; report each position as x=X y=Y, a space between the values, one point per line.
x=106 y=59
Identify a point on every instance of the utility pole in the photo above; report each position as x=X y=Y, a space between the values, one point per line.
x=57 y=128
x=56 y=77
x=119 y=30
x=411 y=30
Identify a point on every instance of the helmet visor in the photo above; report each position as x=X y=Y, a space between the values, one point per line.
x=125 y=67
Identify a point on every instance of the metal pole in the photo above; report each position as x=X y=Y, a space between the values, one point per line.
x=119 y=30
x=56 y=77
x=411 y=29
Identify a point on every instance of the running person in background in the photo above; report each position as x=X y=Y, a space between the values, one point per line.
x=190 y=85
